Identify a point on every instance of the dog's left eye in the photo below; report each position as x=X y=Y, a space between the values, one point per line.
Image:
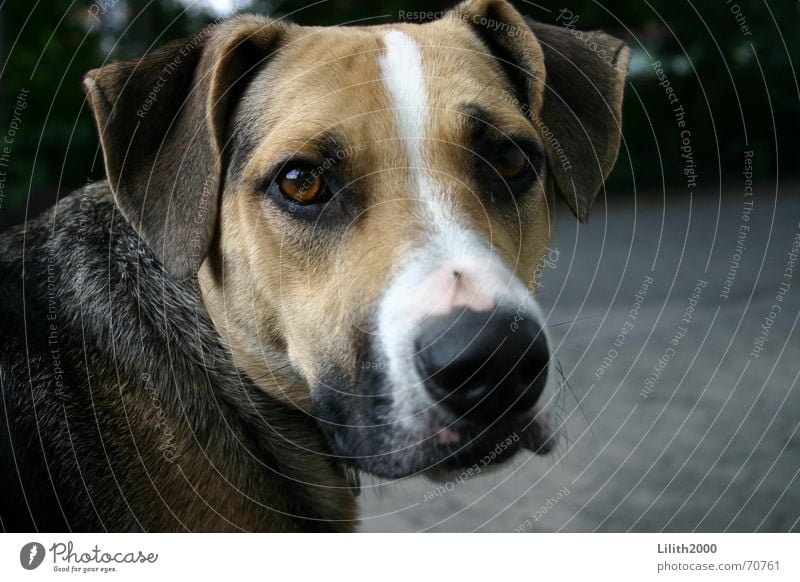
x=510 y=162
x=300 y=185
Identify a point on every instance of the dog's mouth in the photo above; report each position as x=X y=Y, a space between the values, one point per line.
x=465 y=444
x=534 y=434
x=363 y=433
x=447 y=450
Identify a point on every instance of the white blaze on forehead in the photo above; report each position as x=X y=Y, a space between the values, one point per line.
x=401 y=66
x=403 y=75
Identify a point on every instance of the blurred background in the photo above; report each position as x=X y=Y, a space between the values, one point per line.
x=707 y=440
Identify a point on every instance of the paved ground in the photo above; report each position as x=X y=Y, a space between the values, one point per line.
x=715 y=445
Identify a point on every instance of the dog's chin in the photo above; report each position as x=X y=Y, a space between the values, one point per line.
x=480 y=450
x=440 y=453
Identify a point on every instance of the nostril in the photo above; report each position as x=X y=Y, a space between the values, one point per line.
x=444 y=376
x=472 y=363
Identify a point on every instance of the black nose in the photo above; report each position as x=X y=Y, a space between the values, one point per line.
x=483 y=363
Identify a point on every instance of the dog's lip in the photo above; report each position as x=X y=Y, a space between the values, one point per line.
x=536 y=435
x=447 y=436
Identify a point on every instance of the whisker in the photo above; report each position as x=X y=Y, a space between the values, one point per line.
x=566 y=383
x=576 y=348
x=569 y=321
x=271 y=372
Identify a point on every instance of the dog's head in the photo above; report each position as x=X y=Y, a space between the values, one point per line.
x=366 y=208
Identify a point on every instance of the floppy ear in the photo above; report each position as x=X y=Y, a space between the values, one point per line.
x=570 y=84
x=162 y=121
x=583 y=108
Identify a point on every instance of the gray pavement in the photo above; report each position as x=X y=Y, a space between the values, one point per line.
x=693 y=421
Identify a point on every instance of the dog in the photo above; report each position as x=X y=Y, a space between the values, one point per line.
x=313 y=256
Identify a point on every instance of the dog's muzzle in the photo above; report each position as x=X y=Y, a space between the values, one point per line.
x=459 y=366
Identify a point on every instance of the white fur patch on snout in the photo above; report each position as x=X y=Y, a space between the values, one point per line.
x=476 y=282
x=436 y=280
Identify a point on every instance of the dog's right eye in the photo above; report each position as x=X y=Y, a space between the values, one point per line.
x=301 y=185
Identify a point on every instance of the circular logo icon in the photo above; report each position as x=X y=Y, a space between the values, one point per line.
x=31 y=555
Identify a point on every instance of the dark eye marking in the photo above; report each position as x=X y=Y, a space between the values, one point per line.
x=512 y=161
x=516 y=162
x=318 y=187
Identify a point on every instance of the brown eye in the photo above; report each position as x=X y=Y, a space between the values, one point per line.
x=300 y=185
x=511 y=162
